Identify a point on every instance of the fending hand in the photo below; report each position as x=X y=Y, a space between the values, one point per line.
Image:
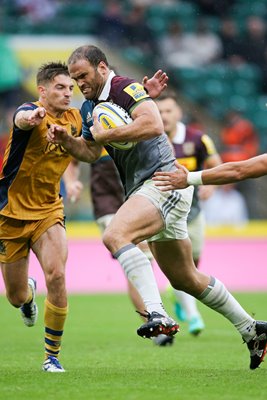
x=56 y=134
x=36 y=116
x=156 y=84
x=171 y=180
x=98 y=132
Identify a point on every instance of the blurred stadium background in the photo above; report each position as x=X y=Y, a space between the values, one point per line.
x=136 y=34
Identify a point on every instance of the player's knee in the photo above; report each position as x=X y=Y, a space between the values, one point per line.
x=17 y=298
x=55 y=278
x=111 y=240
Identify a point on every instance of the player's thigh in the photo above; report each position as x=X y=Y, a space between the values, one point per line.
x=15 y=275
x=14 y=253
x=137 y=219
x=51 y=249
x=14 y=240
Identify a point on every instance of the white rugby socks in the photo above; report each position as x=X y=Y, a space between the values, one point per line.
x=139 y=271
x=217 y=297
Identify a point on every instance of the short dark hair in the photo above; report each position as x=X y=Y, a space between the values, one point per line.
x=47 y=72
x=168 y=94
x=90 y=53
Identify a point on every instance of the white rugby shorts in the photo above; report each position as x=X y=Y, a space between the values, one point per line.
x=174 y=207
x=196 y=231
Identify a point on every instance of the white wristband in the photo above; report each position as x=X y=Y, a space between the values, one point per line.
x=194 y=178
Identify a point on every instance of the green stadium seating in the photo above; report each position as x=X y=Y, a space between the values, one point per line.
x=246 y=8
x=160 y=16
x=158 y=25
x=137 y=56
x=81 y=9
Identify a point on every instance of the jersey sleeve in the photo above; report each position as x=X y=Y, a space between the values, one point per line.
x=24 y=107
x=127 y=93
x=136 y=94
x=208 y=146
x=87 y=119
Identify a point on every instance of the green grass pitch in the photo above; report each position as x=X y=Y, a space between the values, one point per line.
x=105 y=359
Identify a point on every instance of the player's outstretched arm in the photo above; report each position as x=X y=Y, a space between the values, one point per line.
x=28 y=119
x=83 y=150
x=155 y=85
x=236 y=171
x=230 y=172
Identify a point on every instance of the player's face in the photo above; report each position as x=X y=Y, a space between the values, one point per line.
x=57 y=94
x=89 y=79
x=170 y=113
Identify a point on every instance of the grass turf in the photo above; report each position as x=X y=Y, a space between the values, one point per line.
x=105 y=359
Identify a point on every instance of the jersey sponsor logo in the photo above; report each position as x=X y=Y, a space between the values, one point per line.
x=189 y=148
x=2 y=247
x=136 y=91
x=57 y=148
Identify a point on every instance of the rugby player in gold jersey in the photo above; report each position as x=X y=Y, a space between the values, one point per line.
x=31 y=208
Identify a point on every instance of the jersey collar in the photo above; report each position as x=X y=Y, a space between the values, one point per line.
x=106 y=89
x=179 y=137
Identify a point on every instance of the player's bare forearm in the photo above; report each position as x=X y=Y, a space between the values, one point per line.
x=222 y=174
x=236 y=171
x=83 y=150
x=146 y=124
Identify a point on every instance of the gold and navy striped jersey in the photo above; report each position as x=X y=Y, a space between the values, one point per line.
x=32 y=167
